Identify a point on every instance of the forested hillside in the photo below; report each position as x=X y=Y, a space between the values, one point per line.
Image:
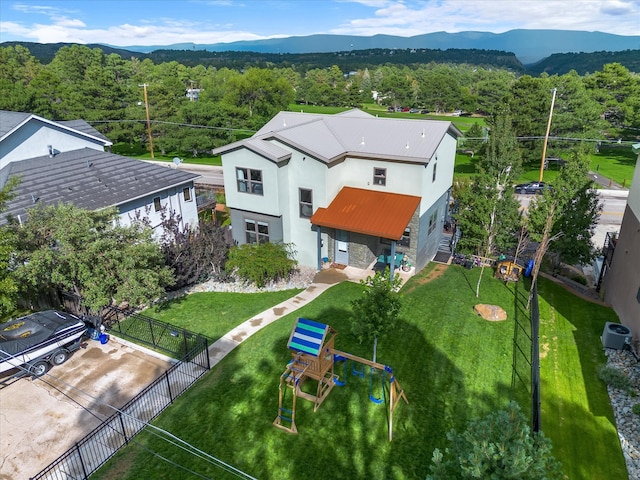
x=584 y=63
x=196 y=108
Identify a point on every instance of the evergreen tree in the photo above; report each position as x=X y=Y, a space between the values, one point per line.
x=499 y=446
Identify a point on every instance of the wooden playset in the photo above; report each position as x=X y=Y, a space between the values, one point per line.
x=313 y=358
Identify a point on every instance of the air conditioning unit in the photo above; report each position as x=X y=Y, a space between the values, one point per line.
x=615 y=335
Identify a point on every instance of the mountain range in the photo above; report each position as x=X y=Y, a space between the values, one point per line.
x=529 y=46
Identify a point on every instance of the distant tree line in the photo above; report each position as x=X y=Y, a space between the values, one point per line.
x=226 y=104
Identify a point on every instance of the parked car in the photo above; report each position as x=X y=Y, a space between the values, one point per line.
x=414 y=110
x=532 y=188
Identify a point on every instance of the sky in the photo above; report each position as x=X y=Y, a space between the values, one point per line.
x=165 y=22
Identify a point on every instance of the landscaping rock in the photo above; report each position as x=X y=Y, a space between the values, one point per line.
x=493 y=313
x=622 y=402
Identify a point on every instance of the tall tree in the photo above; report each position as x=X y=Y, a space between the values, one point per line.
x=570 y=209
x=377 y=310
x=486 y=211
x=89 y=253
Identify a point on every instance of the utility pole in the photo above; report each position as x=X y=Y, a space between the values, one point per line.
x=146 y=107
x=546 y=136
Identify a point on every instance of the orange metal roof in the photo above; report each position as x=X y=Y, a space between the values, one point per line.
x=379 y=214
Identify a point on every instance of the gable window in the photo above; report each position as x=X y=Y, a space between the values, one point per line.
x=380 y=176
x=249 y=181
x=256 y=232
x=186 y=193
x=306 y=202
x=433 y=178
x=157 y=205
x=433 y=221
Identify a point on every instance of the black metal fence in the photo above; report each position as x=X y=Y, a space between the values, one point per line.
x=153 y=333
x=90 y=453
x=525 y=368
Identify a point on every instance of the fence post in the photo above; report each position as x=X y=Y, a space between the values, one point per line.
x=84 y=470
x=153 y=340
x=186 y=344
x=206 y=353
x=166 y=375
x=124 y=432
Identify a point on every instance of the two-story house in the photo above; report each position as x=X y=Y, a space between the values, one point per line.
x=66 y=162
x=348 y=187
x=622 y=281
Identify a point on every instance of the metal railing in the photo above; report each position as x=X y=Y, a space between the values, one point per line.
x=90 y=453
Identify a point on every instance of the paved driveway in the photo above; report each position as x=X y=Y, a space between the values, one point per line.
x=41 y=419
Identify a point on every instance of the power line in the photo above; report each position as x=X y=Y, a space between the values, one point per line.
x=245 y=130
x=170 y=438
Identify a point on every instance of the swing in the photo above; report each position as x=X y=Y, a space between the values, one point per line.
x=355 y=371
x=336 y=379
x=372 y=397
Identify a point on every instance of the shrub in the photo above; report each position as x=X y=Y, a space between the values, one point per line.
x=636 y=409
x=261 y=263
x=614 y=377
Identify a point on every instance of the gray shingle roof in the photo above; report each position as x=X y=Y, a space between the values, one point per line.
x=10 y=120
x=353 y=133
x=87 y=178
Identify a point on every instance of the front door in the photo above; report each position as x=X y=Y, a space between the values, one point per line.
x=342 y=247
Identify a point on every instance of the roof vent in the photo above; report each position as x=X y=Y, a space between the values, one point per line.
x=362 y=142
x=407 y=145
x=34 y=199
x=50 y=148
x=422 y=133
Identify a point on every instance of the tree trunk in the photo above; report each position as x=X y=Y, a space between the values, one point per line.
x=375 y=348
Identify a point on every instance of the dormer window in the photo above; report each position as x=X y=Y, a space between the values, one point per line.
x=380 y=176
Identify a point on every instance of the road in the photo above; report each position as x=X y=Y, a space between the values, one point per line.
x=613 y=205
x=209 y=175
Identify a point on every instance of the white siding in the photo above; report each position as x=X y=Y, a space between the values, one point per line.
x=172 y=199
x=33 y=140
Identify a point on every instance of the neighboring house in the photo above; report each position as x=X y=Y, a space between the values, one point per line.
x=622 y=281
x=348 y=187
x=65 y=162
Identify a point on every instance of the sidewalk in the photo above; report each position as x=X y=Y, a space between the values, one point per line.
x=605 y=182
x=321 y=282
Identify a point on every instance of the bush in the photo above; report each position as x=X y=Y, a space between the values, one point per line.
x=261 y=263
x=614 y=377
x=499 y=446
x=636 y=409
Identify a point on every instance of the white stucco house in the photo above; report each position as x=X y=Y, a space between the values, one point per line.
x=348 y=187
x=66 y=162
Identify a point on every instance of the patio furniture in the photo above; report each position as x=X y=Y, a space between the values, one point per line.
x=386 y=259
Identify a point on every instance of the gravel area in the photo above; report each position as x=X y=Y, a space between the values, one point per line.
x=302 y=278
x=627 y=421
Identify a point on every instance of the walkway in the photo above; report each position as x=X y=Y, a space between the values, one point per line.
x=321 y=282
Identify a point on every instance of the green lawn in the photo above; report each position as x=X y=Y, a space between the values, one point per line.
x=616 y=163
x=215 y=313
x=453 y=365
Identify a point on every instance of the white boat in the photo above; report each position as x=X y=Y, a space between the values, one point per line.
x=36 y=342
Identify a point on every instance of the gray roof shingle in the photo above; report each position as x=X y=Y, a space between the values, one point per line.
x=353 y=133
x=87 y=178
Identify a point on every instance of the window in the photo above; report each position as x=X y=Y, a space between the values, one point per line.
x=249 y=181
x=186 y=192
x=433 y=221
x=433 y=178
x=257 y=232
x=306 y=203
x=157 y=205
x=380 y=176
x=406 y=237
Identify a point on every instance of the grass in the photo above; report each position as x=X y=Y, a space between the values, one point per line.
x=616 y=163
x=222 y=310
x=576 y=412
x=453 y=366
